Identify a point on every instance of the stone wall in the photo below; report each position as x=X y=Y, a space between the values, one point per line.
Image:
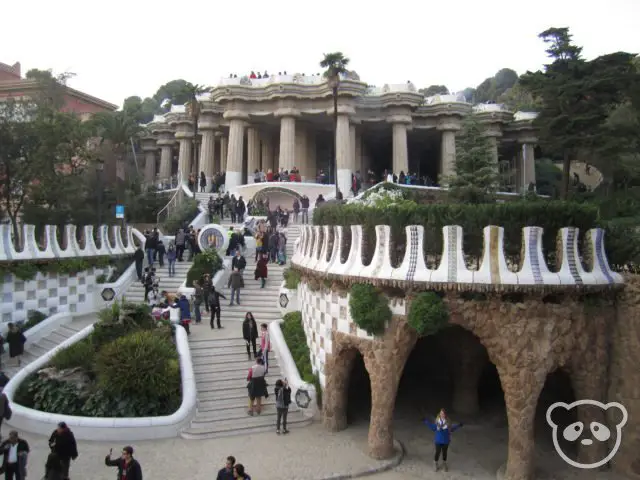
x=624 y=386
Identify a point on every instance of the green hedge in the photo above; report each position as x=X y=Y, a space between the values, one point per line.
x=293 y=332
x=206 y=262
x=131 y=362
x=513 y=216
x=27 y=270
x=291 y=278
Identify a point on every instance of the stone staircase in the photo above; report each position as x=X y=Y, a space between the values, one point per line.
x=135 y=292
x=221 y=364
x=32 y=351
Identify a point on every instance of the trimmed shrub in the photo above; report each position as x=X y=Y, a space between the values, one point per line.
x=428 y=313
x=206 y=262
x=291 y=278
x=142 y=364
x=79 y=354
x=34 y=317
x=369 y=308
x=294 y=335
x=513 y=216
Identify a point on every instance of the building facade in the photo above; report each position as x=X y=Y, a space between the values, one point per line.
x=287 y=121
x=13 y=85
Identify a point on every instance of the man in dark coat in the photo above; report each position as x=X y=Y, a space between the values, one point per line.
x=138 y=257
x=63 y=442
x=226 y=473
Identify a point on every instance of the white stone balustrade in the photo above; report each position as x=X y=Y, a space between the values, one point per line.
x=452 y=98
x=313 y=253
x=50 y=248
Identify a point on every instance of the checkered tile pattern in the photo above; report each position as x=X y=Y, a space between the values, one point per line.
x=48 y=293
x=322 y=313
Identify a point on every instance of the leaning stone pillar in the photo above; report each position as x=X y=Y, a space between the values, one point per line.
x=522 y=387
x=385 y=360
x=335 y=394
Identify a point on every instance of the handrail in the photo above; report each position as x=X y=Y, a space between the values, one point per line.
x=173 y=202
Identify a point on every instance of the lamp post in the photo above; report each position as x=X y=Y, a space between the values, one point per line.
x=334 y=83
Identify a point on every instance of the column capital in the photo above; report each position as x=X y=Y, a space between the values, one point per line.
x=399 y=119
x=208 y=121
x=493 y=130
x=235 y=115
x=526 y=140
x=286 y=112
x=148 y=144
x=449 y=124
x=343 y=110
x=184 y=135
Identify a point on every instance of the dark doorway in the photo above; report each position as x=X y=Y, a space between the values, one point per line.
x=359 y=396
x=424 y=154
x=324 y=148
x=378 y=144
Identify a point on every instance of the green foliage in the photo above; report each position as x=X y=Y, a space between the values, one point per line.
x=206 y=262
x=428 y=313
x=369 y=308
x=27 y=270
x=493 y=87
x=34 y=317
x=79 y=354
x=291 y=278
x=432 y=90
x=334 y=63
x=512 y=216
x=143 y=364
x=181 y=216
x=119 y=320
x=476 y=170
x=294 y=336
x=52 y=396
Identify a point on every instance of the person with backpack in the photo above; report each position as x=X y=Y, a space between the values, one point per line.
x=282 y=392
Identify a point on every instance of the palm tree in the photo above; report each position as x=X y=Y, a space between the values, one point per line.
x=336 y=65
x=193 y=105
x=119 y=131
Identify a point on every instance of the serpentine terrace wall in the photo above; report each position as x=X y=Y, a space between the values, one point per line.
x=322 y=250
x=52 y=292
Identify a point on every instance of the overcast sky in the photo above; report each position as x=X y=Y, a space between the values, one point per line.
x=120 y=48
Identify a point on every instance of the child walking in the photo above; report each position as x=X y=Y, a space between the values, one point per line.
x=443 y=429
x=283 y=400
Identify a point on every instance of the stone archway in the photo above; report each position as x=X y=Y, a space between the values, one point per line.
x=264 y=193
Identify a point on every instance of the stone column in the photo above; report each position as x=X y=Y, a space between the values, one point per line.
x=236 y=147
x=287 y=155
x=447 y=157
x=207 y=150
x=400 y=149
x=149 y=148
x=267 y=153
x=166 y=141
x=253 y=153
x=344 y=157
x=224 y=144
x=352 y=142
x=529 y=164
x=184 y=158
x=358 y=153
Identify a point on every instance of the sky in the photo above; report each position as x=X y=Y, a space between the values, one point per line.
x=122 y=48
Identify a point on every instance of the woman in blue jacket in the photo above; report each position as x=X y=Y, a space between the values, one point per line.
x=443 y=428
x=185 y=312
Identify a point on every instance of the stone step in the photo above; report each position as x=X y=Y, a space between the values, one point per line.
x=228 y=369
x=230 y=383
x=231 y=403
x=218 y=351
x=255 y=424
x=238 y=413
x=217 y=378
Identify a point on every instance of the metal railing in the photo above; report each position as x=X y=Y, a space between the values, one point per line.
x=173 y=203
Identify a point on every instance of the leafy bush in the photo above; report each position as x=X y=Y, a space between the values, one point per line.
x=428 y=313
x=294 y=335
x=27 y=270
x=206 y=262
x=369 y=308
x=54 y=396
x=34 y=317
x=182 y=215
x=142 y=364
x=291 y=278
x=79 y=354
x=513 y=216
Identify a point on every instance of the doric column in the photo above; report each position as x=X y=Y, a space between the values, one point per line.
x=224 y=144
x=266 y=155
x=352 y=141
x=301 y=149
x=344 y=158
x=253 y=153
x=400 y=121
x=235 y=151
x=166 y=141
x=149 y=148
x=287 y=154
x=184 y=135
x=529 y=164
x=206 y=153
x=448 y=127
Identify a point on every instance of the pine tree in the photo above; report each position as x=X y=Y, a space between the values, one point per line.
x=476 y=171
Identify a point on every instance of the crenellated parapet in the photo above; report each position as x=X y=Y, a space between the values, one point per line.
x=66 y=242
x=322 y=250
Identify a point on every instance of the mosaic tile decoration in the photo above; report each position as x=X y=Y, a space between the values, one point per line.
x=452 y=268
